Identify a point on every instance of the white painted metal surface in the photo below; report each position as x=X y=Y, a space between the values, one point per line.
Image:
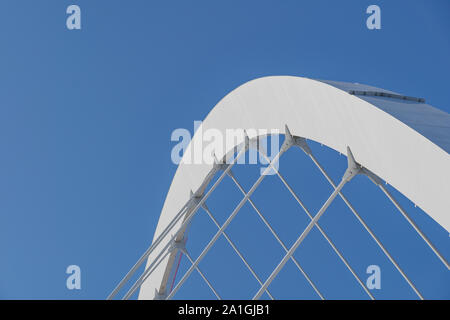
x=404 y=143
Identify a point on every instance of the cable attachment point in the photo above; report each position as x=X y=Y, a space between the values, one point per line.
x=302 y=144
x=219 y=165
x=178 y=245
x=372 y=176
x=353 y=167
x=160 y=296
x=291 y=140
x=194 y=199
x=288 y=142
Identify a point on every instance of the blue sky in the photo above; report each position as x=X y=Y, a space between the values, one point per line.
x=86 y=118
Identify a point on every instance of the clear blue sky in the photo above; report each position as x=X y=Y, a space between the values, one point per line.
x=86 y=118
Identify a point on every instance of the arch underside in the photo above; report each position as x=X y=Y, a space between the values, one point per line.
x=403 y=142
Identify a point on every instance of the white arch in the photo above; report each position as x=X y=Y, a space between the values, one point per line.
x=403 y=157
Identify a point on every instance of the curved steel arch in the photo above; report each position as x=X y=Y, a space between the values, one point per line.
x=383 y=129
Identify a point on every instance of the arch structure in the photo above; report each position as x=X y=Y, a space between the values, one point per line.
x=397 y=139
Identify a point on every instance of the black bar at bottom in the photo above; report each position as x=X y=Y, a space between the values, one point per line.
x=208 y=309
